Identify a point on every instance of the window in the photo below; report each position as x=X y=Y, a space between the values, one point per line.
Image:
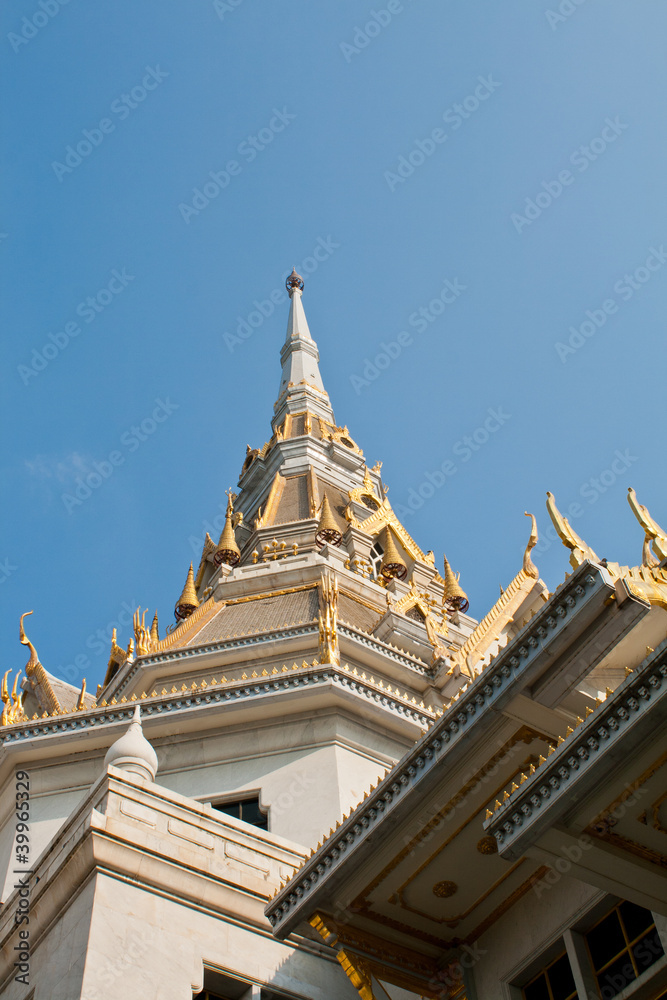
x=246 y=809
x=622 y=946
x=376 y=558
x=556 y=982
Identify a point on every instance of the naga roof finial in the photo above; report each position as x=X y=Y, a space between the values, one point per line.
x=34 y=658
x=529 y=567
x=579 y=548
x=654 y=533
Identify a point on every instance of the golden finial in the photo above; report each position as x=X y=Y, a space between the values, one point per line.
x=455 y=597
x=580 y=551
x=654 y=533
x=328 y=532
x=529 y=567
x=392 y=564
x=81 y=703
x=188 y=601
x=227 y=550
x=155 y=635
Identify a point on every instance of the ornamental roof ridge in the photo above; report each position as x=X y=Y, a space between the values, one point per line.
x=602 y=726
x=191 y=697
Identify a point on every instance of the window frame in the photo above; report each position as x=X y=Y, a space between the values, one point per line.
x=627 y=950
x=233 y=800
x=543 y=971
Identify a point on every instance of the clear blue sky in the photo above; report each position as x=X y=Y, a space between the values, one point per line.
x=411 y=146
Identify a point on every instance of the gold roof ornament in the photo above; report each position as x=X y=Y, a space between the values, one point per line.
x=392 y=564
x=655 y=535
x=37 y=675
x=12 y=704
x=455 y=597
x=155 y=633
x=529 y=567
x=328 y=532
x=188 y=601
x=228 y=551
x=579 y=549
x=141 y=633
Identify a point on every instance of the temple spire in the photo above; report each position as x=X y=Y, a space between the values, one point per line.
x=301 y=386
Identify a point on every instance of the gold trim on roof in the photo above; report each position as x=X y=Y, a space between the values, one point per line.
x=499 y=617
x=328 y=593
x=184 y=629
x=313 y=492
x=273 y=500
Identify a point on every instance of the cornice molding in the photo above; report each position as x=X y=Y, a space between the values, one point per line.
x=528 y=809
x=200 y=696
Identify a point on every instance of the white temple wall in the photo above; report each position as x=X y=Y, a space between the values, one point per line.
x=144 y=946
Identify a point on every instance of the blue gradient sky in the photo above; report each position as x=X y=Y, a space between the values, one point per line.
x=351 y=114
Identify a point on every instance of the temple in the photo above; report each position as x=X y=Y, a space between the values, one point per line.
x=326 y=780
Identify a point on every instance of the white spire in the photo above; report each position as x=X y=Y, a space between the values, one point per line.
x=132 y=751
x=301 y=386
